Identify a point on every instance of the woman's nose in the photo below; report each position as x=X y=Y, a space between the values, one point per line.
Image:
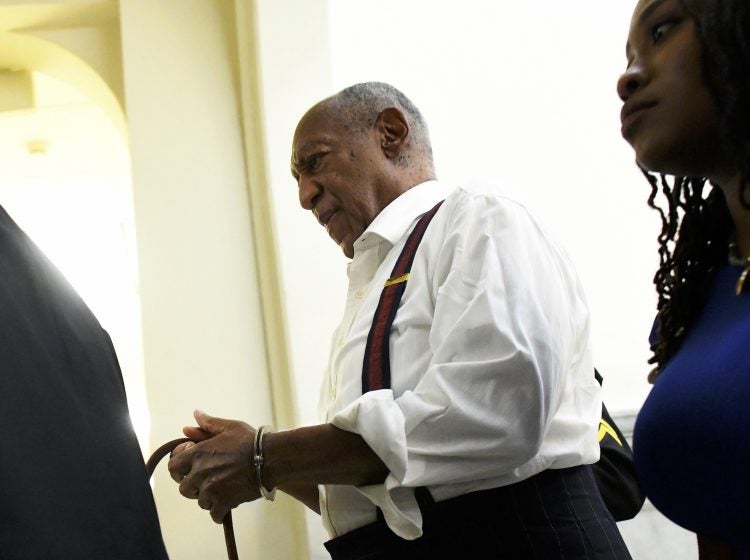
x=631 y=80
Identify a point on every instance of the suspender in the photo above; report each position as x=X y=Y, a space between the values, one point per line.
x=376 y=369
x=376 y=374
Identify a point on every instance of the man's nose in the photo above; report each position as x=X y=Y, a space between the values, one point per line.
x=309 y=191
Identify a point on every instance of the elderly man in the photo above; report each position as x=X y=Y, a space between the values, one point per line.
x=460 y=402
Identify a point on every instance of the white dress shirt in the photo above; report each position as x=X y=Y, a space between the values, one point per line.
x=491 y=371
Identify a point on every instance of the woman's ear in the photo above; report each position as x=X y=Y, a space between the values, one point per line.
x=393 y=130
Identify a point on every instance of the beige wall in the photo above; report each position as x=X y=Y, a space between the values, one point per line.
x=204 y=341
x=294 y=54
x=209 y=318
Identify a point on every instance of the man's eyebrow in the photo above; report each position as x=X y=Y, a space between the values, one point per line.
x=299 y=161
x=301 y=154
x=295 y=165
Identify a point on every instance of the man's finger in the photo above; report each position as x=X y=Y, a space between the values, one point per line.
x=204 y=502
x=180 y=448
x=188 y=489
x=196 y=434
x=218 y=513
x=180 y=463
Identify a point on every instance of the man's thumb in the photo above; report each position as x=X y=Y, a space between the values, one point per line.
x=208 y=423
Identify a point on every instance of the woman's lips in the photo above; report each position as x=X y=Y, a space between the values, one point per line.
x=632 y=112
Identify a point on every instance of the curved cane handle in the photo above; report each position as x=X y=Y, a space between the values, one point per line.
x=165 y=450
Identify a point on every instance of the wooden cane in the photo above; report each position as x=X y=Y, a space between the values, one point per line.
x=165 y=450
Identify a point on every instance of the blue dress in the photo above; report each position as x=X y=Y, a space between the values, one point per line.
x=691 y=442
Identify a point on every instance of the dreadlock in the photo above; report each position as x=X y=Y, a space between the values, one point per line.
x=696 y=224
x=690 y=251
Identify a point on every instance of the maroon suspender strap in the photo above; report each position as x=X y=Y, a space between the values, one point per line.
x=376 y=369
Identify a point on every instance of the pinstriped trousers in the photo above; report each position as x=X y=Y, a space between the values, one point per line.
x=555 y=515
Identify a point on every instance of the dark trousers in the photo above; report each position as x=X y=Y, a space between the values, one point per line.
x=555 y=515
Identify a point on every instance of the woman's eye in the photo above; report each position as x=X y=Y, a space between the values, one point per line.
x=661 y=29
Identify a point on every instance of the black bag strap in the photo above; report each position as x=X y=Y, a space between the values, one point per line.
x=376 y=369
x=615 y=471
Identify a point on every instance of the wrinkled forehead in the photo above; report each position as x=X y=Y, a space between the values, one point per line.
x=314 y=126
x=318 y=130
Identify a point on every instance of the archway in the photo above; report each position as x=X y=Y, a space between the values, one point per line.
x=65 y=178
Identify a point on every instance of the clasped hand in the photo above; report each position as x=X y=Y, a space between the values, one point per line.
x=217 y=470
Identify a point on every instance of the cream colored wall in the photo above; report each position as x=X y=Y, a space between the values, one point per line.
x=294 y=56
x=295 y=73
x=202 y=317
x=198 y=179
x=98 y=46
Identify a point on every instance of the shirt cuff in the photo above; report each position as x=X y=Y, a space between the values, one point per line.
x=381 y=423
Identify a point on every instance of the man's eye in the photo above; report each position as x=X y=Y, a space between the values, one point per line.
x=314 y=162
x=660 y=30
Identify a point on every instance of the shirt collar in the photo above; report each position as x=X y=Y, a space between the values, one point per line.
x=396 y=218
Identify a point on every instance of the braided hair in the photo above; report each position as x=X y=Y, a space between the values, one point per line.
x=696 y=223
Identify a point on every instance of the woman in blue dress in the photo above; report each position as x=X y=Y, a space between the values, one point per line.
x=686 y=113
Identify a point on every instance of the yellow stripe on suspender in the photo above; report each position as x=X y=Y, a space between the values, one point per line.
x=397 y=280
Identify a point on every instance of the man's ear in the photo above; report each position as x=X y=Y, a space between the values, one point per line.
x=393 y=130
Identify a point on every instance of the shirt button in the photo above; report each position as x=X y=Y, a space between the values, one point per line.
x=359 y=294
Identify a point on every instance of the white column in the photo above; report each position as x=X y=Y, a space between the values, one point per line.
x=295 y=70
x=203 y=333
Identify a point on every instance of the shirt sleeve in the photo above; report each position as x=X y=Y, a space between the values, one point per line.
x=509 y=335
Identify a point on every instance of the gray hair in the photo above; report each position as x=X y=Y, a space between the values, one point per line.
x=358 y=107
